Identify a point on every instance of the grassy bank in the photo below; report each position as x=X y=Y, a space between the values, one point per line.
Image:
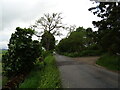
x=43 y=76
x=111 y=62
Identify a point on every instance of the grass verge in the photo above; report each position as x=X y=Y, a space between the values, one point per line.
x=43 y=76
x=111 y=62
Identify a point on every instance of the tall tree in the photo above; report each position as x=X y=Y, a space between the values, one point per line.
x=75 y=42
x=48 y=41
x=109 y=26
x=52 y=23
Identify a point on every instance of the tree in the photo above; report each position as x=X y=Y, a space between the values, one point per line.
x=109 y=26
x=75 y=42
x=22 y=52
x=48 y=41
x=51 y=26
x=51 y=23
x=70 y=29
x=78 y=41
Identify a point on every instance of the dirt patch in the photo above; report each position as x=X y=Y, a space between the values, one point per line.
x=87 y=60
x=91 y=61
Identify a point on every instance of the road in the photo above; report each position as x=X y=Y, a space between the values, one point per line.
x=78 y=74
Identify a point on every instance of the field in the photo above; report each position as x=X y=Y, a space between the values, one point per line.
x=4 y=79
x=1 y=53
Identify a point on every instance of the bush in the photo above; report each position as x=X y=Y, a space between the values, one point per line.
x=47 y=77
x=90 y=53
x=93 y=47
x=22 y=52
x=45 y=54
x=83 y=53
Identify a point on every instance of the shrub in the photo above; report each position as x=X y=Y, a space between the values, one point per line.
x=45 y=54
x=47 y=77
x=22 y=52
x=84 y=53
x=90 y=53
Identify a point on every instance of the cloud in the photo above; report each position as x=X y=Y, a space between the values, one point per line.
x=3 y=45
x=23 y=13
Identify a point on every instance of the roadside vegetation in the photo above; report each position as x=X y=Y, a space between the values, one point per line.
x=84 y=53
x=43 y=76
x=111 y=62
x=105 y=42
x=81 y=42
x=21 y=55
x=28 y=57
x=24 y=54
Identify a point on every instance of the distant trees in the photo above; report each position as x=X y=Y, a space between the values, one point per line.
x=106 y=39
x=109 y=27
x=77 y=41
x=22 y=52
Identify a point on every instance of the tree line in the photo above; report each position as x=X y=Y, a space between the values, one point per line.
x=106 y=39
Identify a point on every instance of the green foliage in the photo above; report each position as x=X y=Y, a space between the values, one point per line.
x=81 y=42
x=51 y=78
x=4 y=80
x=111 y=62
x=83 y=53
x=33 y=79
x=22 y=52
x=90 y=53
x=93 y=47
x=74 y=43
x=108 y=36
x=48 y=41
x=45 y=54
x=47 y=77
x=2 y=52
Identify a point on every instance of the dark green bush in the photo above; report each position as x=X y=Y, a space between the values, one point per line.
x=22 y=52
x=45 y=54
x=93 y=47
x=84 y=53
x=90 y=53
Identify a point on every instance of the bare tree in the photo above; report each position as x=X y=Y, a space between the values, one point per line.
x=51 y=23
x=70 y=29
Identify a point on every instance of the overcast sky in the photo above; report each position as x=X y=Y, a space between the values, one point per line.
x=23 y=13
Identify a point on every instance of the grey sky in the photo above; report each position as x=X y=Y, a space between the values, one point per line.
x=23 y=13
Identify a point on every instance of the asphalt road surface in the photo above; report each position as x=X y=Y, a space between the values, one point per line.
x=78 y=74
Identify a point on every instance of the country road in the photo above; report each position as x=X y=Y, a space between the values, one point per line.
x=79 y=74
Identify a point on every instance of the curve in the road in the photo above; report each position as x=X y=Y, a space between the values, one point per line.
x=75 y=74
